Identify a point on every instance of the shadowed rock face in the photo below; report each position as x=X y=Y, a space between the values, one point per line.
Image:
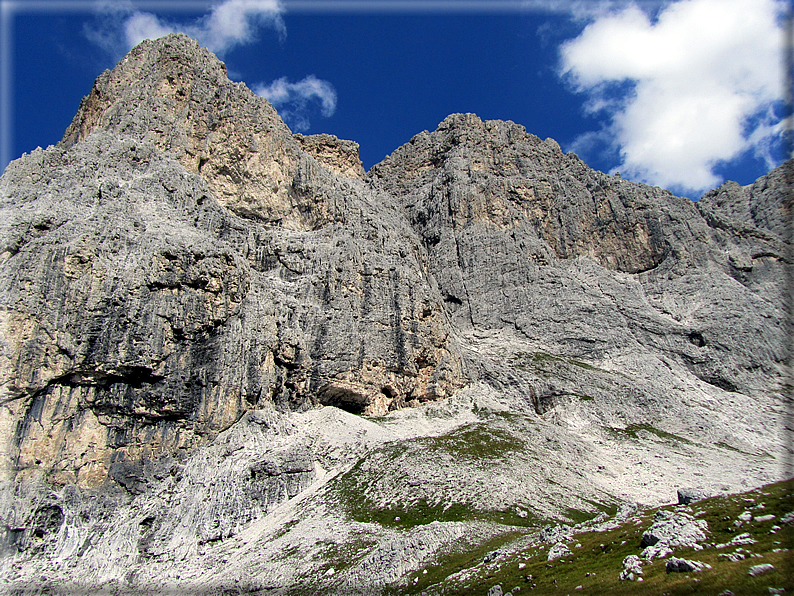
x=472 y=178
x=181 y=263
x=150 y=299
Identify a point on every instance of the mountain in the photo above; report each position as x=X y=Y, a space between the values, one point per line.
x=234 y=360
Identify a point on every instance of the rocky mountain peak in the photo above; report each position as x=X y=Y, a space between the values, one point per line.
x=495 y=175
x=154 y=92
x=203 y=316
x=175 y=94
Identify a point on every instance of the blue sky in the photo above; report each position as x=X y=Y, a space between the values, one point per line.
x=681 y=94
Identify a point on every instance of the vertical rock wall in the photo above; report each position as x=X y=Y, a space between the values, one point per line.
x=181 y=258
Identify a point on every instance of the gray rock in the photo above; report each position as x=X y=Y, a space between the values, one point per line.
x=675 y=529
x=163 y=313
x=690 y=495
x=757 y=570
x=675 y=565
x=559 y=550
x=632 y=568
x=184 y=283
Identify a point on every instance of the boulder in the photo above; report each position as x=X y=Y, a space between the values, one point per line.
x=675 y=565
x=690 y=495
x=757 y=570
x=559 y=550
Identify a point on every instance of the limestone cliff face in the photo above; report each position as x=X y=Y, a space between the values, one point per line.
x=521 y=236
x=341 y=157
x=493 y=176
x=181 y=259
x=177 y=96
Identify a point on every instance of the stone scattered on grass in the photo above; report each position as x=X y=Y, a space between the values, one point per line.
x=671 y=529
x=632 y=568
x=496 y=591
x=757 y=570
x=559 y=550
x=738 y=540
x=676 y=565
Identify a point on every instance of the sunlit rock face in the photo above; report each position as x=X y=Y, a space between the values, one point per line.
x=179 y=259
x=204 y=316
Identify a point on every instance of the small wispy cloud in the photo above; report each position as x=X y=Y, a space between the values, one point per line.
x=227 y=25
x=684 y=92
x=566 y=7
x=295 y=102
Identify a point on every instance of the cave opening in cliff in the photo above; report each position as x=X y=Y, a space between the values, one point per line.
x=345 y=399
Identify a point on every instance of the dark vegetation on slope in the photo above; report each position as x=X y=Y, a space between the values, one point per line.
x=595 y=566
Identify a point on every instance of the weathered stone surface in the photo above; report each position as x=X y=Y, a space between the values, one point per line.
x=690 y=495
x=521 y=236
x=339 y=156
x=177 y=96
x=675 y=565
x=183 y=282
x=632 y=568
x=558 y=550
x=676 y=528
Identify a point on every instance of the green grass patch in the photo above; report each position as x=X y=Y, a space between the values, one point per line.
x=408 y=515
x=762 y=454
x=476 y=441
x=723 y=445
x=452 y=562
x=380 y=473
x=597 y=563
x=631 y=432
x=340 y=556
x=421 y=512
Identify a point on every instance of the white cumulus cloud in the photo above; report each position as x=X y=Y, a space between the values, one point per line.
x=295 y=101
x=684 y=92
x=227 y=25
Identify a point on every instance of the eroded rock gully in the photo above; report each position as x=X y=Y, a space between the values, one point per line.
x=183 y=282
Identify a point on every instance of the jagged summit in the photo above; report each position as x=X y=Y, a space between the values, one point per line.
x=175 y=94
x=204 y=316
x=154 y=92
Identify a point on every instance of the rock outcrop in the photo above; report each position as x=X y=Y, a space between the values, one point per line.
x=184 y=282
x=172 y=301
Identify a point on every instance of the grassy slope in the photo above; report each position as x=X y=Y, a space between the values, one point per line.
x=597 y=563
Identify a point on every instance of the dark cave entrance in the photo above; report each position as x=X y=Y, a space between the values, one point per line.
x=344 y=398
